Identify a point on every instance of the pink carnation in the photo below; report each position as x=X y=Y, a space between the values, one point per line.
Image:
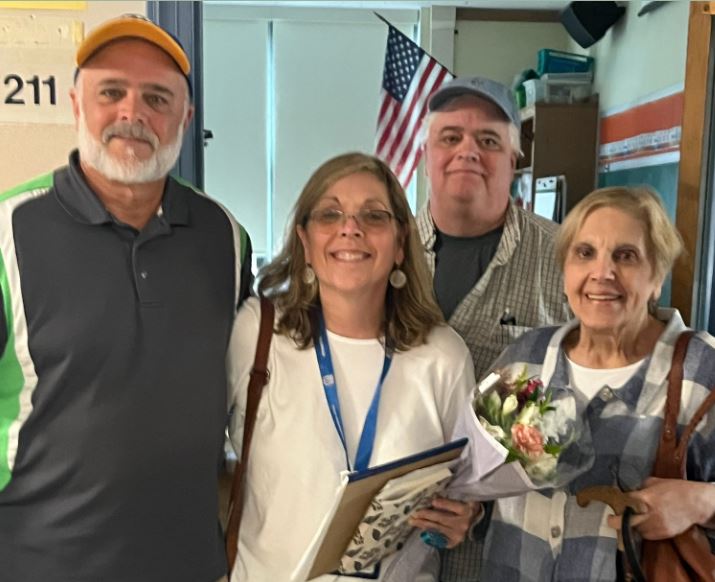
x=527 y=440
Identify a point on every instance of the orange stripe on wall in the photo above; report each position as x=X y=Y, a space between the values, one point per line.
x=660 y=114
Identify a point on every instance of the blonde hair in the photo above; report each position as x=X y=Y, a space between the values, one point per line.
x=663 y=241
x=410 y=312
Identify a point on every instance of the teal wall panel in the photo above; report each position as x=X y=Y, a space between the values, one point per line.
x=664 y=179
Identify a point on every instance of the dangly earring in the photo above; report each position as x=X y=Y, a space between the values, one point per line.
x=309 y=275
x=398 y=279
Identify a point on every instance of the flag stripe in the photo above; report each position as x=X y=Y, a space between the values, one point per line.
x=387 y=123
x=386 y=101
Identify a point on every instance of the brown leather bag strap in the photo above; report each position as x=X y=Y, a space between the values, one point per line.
x=258 y=379
x=681 y=452
x=687 y=556
x=703 y=409
x=666 y=465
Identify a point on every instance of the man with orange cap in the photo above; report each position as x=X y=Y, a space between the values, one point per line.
x=118 y=289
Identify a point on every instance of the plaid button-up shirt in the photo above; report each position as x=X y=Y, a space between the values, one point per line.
x=523 y=279
x=545 y=536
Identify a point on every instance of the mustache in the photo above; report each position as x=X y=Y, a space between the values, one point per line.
x=131 y=130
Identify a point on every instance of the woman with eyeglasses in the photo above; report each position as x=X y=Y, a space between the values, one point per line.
x=353 y=301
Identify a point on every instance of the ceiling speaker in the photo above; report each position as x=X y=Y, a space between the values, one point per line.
x=587 y=22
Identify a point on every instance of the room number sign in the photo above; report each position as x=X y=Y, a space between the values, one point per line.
x=34 y=86
x=19 y=91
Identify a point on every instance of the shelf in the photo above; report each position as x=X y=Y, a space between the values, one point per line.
x=529 y=111
x=559 y=139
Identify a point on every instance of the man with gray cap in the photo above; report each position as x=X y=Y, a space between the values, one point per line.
x=118 y=290
x=495 y=272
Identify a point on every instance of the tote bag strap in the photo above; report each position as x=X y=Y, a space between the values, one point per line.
x=672 y=452
x=258 y=379
x=666 y=465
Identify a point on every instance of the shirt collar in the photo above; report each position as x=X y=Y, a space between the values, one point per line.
x=662 y=356
x=80 y=201
x=508 y=243
x=510 y=236
x=646 y=384
x=426 y=228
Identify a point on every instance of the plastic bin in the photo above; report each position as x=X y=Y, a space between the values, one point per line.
x=547 y=90
x=553 y=61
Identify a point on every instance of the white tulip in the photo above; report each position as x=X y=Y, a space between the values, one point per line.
x=510 y=405
x=528 y=414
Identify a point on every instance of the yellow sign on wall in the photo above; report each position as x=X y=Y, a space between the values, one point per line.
x=47 y=5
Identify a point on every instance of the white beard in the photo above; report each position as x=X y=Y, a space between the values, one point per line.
x=132 y=170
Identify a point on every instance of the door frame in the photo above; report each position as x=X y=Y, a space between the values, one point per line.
x=692 y=272
x=185 y=21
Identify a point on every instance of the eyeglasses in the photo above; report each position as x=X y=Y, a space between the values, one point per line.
x=367 y=218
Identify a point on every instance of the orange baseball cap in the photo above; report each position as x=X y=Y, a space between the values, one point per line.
x=133 y=26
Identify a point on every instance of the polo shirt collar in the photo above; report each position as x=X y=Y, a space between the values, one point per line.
x=80 y=201
x=175 y=204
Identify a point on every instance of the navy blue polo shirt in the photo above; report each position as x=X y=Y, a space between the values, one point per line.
x=113 y=383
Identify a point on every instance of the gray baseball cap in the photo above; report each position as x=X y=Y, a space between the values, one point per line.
x=495 y=92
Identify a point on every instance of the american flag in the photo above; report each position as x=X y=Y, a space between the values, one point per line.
x=410 y=77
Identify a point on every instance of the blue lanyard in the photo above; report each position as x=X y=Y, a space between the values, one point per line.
x=327 y=373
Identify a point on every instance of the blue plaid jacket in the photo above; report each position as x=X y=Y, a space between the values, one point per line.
x=546 y=536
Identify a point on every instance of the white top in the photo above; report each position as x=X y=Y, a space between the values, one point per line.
x=296 y=454
x=357 y=364
x=590 y=380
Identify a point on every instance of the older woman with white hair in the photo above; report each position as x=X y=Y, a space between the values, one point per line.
x=615 y=247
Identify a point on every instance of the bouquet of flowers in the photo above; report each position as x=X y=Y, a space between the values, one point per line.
x=541 y=428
